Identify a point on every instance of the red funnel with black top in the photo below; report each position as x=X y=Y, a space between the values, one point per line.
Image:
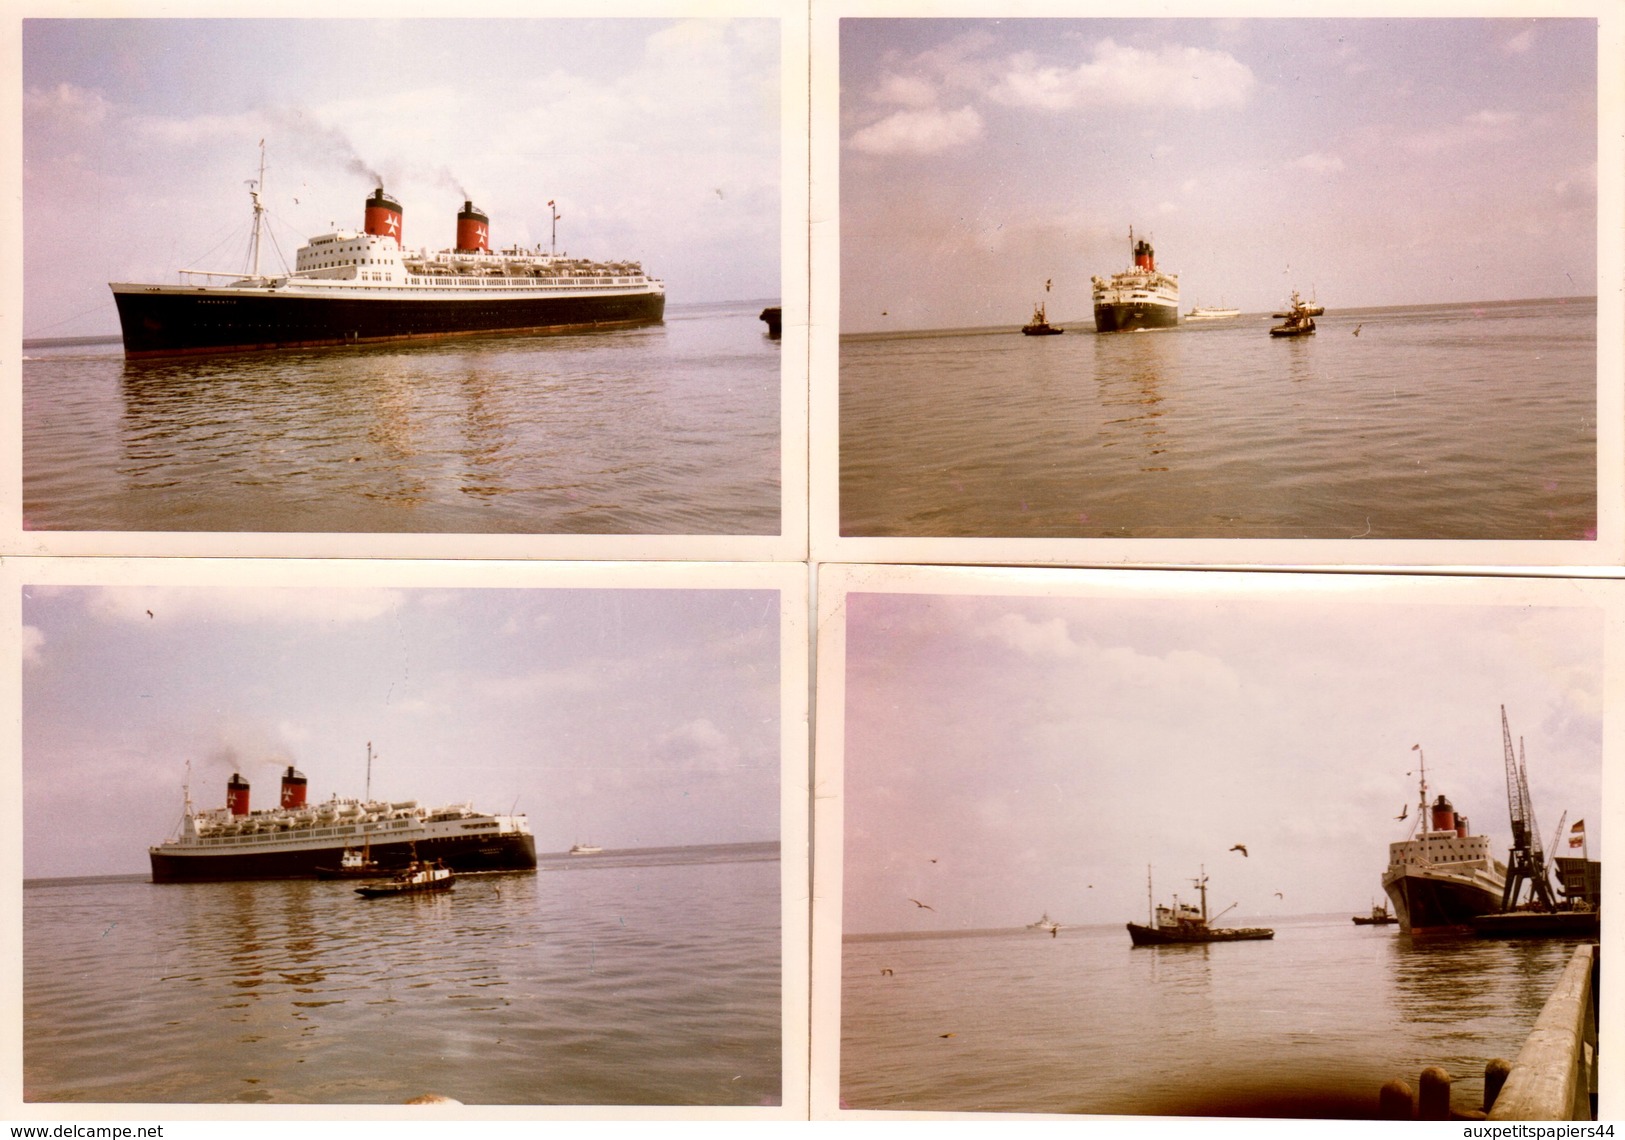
x=383 y=216
x=293 y=788
x=237 y=795
x=473 y=230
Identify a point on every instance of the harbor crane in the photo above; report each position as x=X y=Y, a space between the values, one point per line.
x=1526 y=861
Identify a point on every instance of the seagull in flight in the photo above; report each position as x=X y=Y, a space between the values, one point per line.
x=1404 y=811
x=918 y=903
x=1242 y=849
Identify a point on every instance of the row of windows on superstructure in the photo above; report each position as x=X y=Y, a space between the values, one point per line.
x=513 y=284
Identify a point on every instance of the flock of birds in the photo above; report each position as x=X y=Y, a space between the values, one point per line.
x=1242 y=847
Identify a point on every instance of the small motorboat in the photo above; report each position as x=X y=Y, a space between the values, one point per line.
x=586 y=849
x=416 y=879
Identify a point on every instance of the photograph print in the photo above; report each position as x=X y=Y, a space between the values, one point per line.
x=1203 y=844
x=1260 y=278
x=514 y=836
x=407 y=276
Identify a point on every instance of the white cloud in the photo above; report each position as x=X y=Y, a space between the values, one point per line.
x=1050 y=638
x=1317 y=163
x=907 y=90
x=1188 y=78
x=919 y=132
x=66 y=104
x=1520 y=43
x=33 y=642
x=1578 y=186
x=698 y=745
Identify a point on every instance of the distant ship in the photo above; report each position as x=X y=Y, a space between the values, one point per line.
x=1140 y=297
x=1183 y=922
x=356 y=288
x=1210 y=314
x=1044 y=923
x=1442 y=876
x=586 y=849
x=296 y=840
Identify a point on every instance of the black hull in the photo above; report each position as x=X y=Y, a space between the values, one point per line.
x=390 y=891
x=1045 y=331
x=1128 y=317
x=171 y=323
x=1422 y=903
x=462 y=853
x=1175 y=936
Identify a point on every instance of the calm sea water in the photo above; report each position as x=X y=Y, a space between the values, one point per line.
x=1311 y=1023
x=636 y=978
x=1446 y=422
x=672 y=429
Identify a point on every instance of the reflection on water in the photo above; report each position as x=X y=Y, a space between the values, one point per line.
x=1129 y=375
x=638 y=983
x=1308 y=1024
x=668 y=429
x=1227 y=432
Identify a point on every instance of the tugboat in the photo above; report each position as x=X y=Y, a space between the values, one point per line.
x=1039 y=325
x=1182 y=923
x=1379 y=916
x=1300 y=318
x=416 y=879
x=355 y=864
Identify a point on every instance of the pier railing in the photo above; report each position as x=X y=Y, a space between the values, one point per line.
x=1555 y=1075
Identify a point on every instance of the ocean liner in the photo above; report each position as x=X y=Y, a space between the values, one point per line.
x=356 y=288
x=1442 y=876
x=294 y=839
x=1140 y=297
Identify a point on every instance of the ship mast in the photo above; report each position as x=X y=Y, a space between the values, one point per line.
x=259 y=209
x=369 y=771
x=1422 y=804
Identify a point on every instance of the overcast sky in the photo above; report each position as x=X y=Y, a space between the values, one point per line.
x=1010 y=756
x=1366 y=161
x=658 y=139
x=624 y=718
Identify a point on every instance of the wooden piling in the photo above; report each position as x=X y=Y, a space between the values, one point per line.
x=1395 y=1101
x=1433 y=1094
x=1495 y=1075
